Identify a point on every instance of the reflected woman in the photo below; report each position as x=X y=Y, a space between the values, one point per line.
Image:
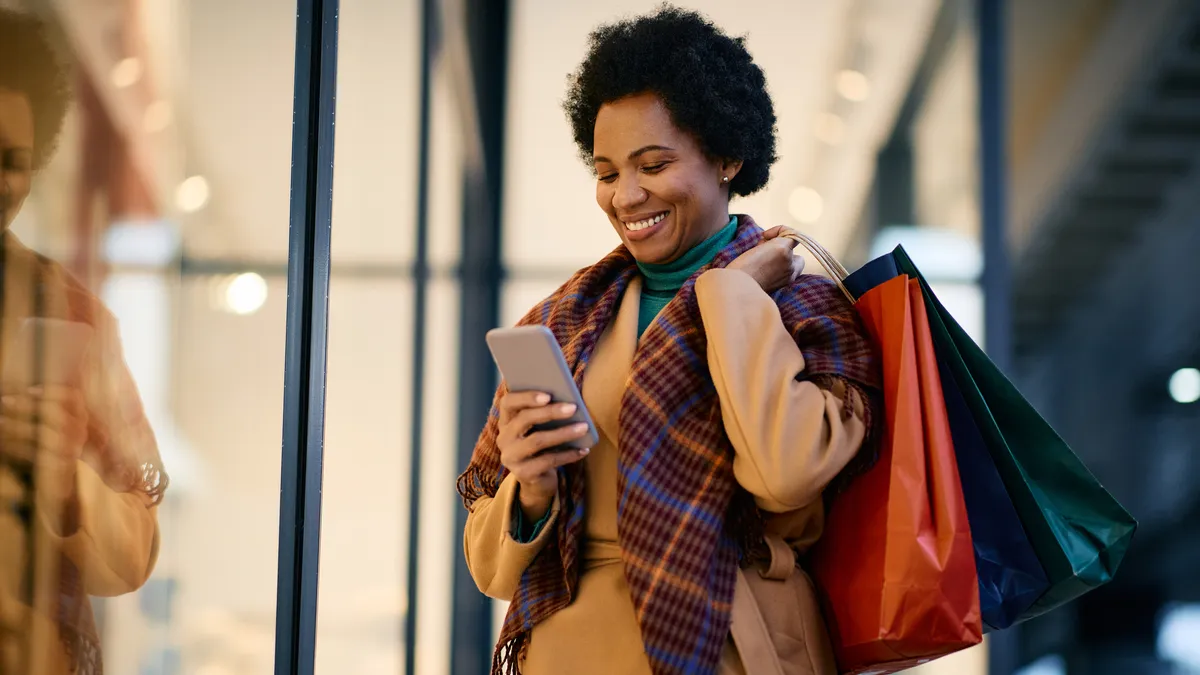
x=729 y=390
x=80 y=476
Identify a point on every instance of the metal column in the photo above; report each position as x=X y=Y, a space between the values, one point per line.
x=486 y=24
x=306 y=337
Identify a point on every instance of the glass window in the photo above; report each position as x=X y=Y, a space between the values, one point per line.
x=142 y=332
x=366 y=539
x=946 y=143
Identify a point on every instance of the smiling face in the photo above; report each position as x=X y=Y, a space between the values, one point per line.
x=661 y=193
x=16 y=153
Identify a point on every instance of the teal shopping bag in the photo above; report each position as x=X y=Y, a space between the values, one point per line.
x=1079 y=532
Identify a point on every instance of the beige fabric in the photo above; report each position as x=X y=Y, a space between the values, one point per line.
x=777 y=626
x=115 y=545
x=790 y=438
x=495 y=558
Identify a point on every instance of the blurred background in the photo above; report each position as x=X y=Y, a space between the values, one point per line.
x=1071 y=176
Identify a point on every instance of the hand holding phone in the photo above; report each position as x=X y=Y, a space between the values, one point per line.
x=543 y=422
x=533 y=457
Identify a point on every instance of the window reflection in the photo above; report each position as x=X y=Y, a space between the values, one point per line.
x=80 y=472
x=144 y=210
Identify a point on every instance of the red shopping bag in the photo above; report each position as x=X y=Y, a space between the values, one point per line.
x=895 y=566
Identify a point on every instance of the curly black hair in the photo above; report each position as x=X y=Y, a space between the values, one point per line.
x=30 y=64
x=707 y=80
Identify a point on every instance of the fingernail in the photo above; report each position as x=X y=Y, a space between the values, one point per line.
x=543 y=399
x=584 y=452
x=567 y=408
x=582 y=426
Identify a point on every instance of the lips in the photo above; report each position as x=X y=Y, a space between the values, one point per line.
x=647 y=226
x=645 y=223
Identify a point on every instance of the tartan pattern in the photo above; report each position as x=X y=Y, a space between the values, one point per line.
x=683 y=522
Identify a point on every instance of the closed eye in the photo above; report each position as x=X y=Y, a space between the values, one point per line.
x=608 y=177
x=18 y=159
x=654 y=168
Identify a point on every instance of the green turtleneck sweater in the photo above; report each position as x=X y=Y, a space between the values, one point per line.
x=662 y=282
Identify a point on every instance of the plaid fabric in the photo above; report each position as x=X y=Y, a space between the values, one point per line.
x=683 y=522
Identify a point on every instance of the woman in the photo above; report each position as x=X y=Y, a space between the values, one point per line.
x=80 y=477
x=725 y=386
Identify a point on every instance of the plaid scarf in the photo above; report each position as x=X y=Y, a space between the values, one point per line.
x=683 y=522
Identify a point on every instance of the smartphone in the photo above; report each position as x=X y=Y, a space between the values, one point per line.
x=530 y=359
x=60 y=345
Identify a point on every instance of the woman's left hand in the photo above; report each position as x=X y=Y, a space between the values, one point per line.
x=772 y=263
x=47 y=425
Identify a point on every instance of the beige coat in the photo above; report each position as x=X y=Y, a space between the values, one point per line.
x=115 y=542
x=790 y=440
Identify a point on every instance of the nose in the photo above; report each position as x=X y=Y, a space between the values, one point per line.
x=628 y=194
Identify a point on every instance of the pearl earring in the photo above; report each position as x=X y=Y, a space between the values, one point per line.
x=724 y=179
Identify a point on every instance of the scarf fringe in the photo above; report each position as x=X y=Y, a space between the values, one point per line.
x=507 y=658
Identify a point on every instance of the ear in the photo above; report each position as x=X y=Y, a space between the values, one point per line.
x=730 y=168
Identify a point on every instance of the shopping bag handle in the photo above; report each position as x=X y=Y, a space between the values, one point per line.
x=835 y=269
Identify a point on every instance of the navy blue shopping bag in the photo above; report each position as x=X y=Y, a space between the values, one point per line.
x=1011 y=578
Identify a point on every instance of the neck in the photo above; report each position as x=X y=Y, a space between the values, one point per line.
x=671 y=275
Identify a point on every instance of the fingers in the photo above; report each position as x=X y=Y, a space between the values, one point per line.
x=18 y=405
x=546 y=440
x=514 y=453
x=528 y=418
x=789 y=236
x=18 y=439
x=24 y=438
x=773 y=232
x=68 y=396
x=62 y=409
x=515 y=402
x=552 y=460
x=797 y=267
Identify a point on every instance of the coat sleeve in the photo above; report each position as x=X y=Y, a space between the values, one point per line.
x=494 y=556
x=790 y=436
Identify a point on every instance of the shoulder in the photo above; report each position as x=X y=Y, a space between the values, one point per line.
x=68 y=296
x=540 y=312
x=582 y=290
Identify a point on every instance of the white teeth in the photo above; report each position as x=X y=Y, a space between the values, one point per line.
x=643 y=224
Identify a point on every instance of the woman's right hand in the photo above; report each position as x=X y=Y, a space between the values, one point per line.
x=519 y=446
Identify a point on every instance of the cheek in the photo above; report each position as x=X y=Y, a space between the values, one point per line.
x=604 y=193
x=17 y=183
x=681 y=194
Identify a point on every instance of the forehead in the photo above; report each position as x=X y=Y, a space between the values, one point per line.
x=16 y=119
x=634 y=122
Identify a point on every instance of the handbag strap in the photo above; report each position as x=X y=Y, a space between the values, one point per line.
x=783 y=559
x=750 y=634
x=836 y=271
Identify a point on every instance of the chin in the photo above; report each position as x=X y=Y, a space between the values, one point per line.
x=648 y=253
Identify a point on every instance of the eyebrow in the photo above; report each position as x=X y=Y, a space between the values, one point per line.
x=636 y=153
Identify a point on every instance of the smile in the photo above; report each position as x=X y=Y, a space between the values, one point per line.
x=643 y=224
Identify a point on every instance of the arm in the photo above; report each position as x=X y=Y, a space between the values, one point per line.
x=496 y=559
x=791 y=437
x=111 y=537
x=109 y=528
